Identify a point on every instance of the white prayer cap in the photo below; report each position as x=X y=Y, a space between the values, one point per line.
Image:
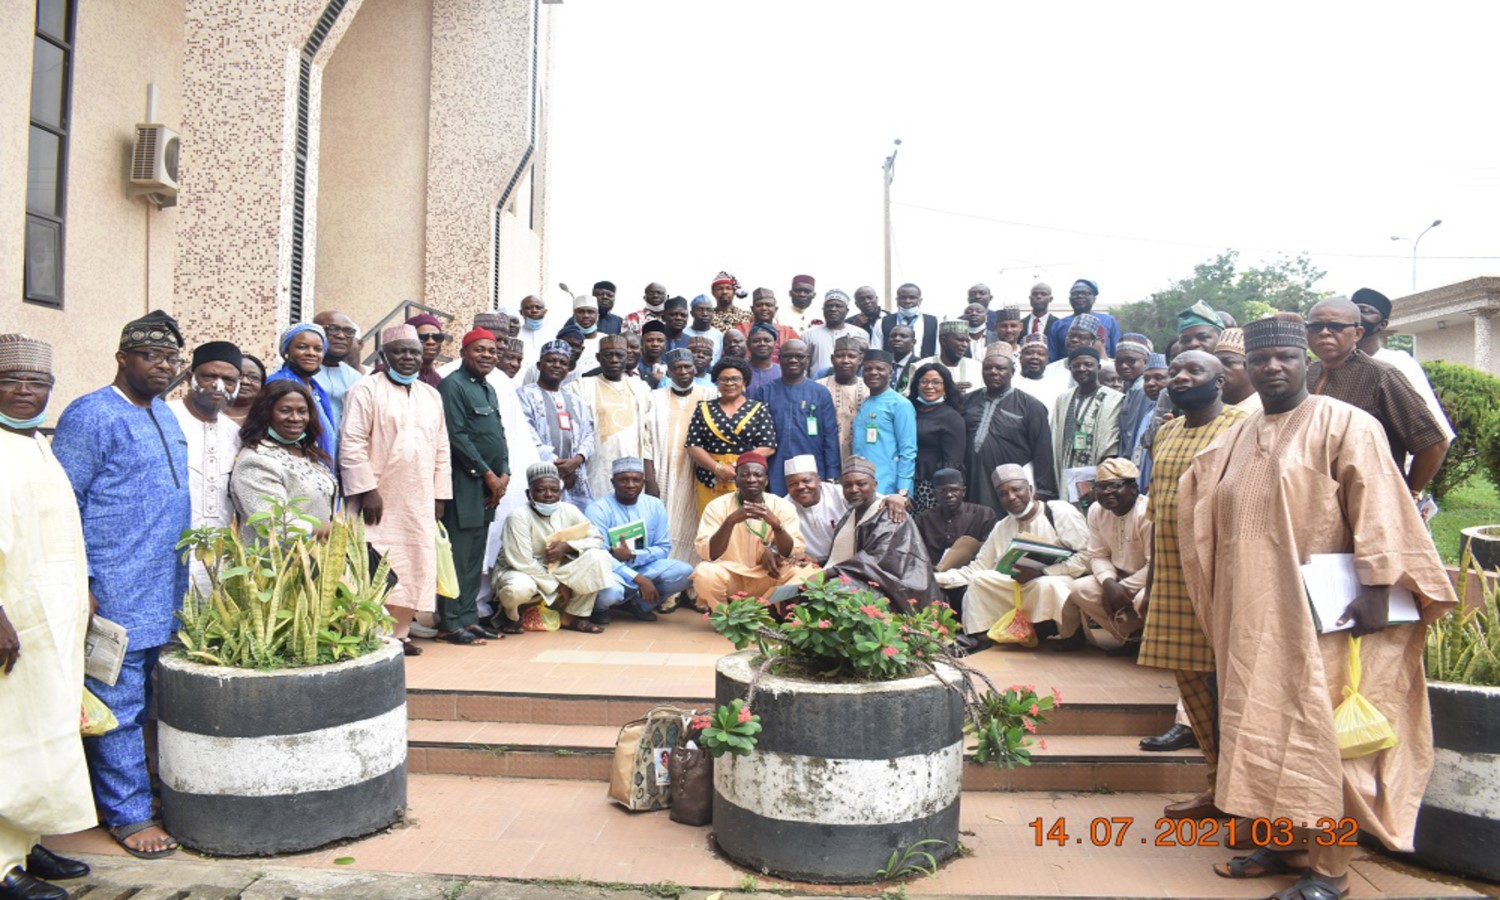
x=1009 y=472
x=799 y=465
x=585 y=301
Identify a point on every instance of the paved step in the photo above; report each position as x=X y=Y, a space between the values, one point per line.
x=583 y=752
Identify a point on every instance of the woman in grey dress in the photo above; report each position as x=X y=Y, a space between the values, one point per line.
x=280 y=458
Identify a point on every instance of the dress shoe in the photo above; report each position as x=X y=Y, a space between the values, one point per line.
x=1074 y=641
x=422 y=631
x=479 y=630
x=17 y=885
x=974 y=643
x=43 y=863
x=602 y=617
x=1199 y=807
x=1178 y=737
x=640 y=612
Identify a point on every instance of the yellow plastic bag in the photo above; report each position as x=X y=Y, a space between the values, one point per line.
x=1014 y=627
x=447 y=572
x=1362 y=729
x=95 y=718
x=540 y=617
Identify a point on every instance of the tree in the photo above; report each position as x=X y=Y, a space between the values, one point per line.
x=1286 y=284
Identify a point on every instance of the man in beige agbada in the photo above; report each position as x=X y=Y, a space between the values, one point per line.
x=1307 y=475
x=748 y=539
x=672 y=407
x=394 y=454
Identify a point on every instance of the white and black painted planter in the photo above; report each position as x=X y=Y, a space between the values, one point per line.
x=1458 y=829
x=261 y=762
x=1483 y=542
x=842 y=774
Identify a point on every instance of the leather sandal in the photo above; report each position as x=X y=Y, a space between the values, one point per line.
x=121 y=832
x=1263 y=863
x=1312 y=887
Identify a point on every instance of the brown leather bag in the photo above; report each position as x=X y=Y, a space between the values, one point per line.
x=692 y=786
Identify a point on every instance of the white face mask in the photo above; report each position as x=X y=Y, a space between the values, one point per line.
x=220 y=387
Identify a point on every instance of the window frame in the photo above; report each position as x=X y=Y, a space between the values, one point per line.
x=58 y=221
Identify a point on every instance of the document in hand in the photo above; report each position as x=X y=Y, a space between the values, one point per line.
x=631 y=534
x=568 y=535
x=1332 y=584
x=1030 y=553
x=104 y=650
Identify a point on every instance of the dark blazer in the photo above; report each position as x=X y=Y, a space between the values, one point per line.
x=928 y=345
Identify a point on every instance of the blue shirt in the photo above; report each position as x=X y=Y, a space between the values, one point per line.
x=606 y=512
x=336 y=382
x=329 y=440
x=894 y=450
x=792 y=406
x=1057 y=336
x=128 y=467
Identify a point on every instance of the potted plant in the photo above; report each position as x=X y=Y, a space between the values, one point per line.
x=840 y=736
x=1458 y=827
x=283 y=713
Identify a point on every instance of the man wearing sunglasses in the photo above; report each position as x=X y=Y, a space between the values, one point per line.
x=430 y=334
x=1344 y=372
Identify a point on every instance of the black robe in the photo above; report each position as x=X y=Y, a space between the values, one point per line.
x=1019 y=431
x=891 y=555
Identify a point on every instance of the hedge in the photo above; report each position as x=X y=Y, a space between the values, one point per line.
x=1471 y=399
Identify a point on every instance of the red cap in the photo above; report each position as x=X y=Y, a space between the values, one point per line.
x=478 y=334
x=751 y=457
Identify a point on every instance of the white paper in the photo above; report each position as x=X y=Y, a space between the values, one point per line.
x=104 y=650
x=1332 y=584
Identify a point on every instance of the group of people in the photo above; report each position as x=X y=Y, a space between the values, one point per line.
x=690 y=451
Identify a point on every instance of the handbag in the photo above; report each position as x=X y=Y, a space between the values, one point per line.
x=447 y=572
x=640 y=777
x=692 y=788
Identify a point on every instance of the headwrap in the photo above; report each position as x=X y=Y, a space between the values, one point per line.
x=701 y=300
x=767 y=328
x=953 y=326
x=1156 y=361
x=1199 y=313
x=604 y=285
x=1116 y=468
x=613 y=340
x=421 y=319
x=1009 y=472
x=541 y=470
x=1085 y=351
x=627 y=464
x=300 y=327
x=1231 y=341
x=571 y=329
x=681 y=354
x=218 y=351
x=1088 y=284
x=1000 y=348
x=1033 y=338
x=1372 y=297
x=1136 y=347
x=749 y=458
x=837 y=294
x=1138 y=338
x=801 y=465
x=804 y=279
x=947 y=476
x=851 y=342
x=157 y=329
x=585 y=301
x=654 y=326
x=492 y=321
x=880 y=355
x=726 y=278
x=19 y=353
x=1008 y=314
x=675 y=303
x=761 y=292
x=1086 y=322
x=859 y=464
x=393 y=333
x=560 y=348
x=1280 y=330
x=478 y=334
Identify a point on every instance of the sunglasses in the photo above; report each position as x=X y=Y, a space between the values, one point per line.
x=1337 y=327
x=437 y=336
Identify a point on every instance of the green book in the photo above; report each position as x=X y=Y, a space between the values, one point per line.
x=1030 y=554
x=630 y=531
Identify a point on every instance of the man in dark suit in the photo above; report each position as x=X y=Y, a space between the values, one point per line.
x=1082 y=297
x=1040 y=321
x=908 y=313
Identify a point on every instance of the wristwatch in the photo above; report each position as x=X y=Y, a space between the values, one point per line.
x=903 y=493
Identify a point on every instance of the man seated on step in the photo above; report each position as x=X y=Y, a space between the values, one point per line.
x=1118 y=553
x=639 y=538
x=873 y=546
x=1044 y=592
x=552 y=554
x=749 y=540
x=820 y=505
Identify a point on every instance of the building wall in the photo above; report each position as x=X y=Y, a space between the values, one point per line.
x=114 y=270
x=1453 y=344
x=372 y=165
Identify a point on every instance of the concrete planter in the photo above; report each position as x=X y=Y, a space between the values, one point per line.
x=1483 y=541
x=1458 y=829
x=842 y=774
x=256 y=763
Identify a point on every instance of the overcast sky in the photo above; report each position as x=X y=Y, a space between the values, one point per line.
x=1122 y=142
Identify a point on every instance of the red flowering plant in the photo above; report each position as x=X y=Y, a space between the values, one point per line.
x=837 y=628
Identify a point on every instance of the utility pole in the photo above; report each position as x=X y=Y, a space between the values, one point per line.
x=889 y=170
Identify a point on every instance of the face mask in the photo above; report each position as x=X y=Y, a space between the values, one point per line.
x=401 y=379
x=1195 y=397
x=925 y=402
x=546 y=509
x=276 y=436
x=589 y=330
x=218 y=386
x=531 y=324
x=24 y=424
x=658 y=307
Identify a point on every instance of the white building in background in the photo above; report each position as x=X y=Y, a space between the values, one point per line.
x=1454 y=323
x=333 y=154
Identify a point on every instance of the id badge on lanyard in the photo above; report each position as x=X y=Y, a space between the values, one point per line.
x=1081 y=439
x=564 y=421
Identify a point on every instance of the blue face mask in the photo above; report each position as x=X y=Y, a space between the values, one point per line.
x=401 y=379
x=589 y=330
x=546 y=509
x=532 y=324
x=276 y=436
x=24 y=424
x=925 y=402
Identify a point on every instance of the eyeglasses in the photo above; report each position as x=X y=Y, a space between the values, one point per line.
x=435 y=336
x=1336 y=327
x=730 y=379
x=156 y=357
x=36 y=384
x=340 y=329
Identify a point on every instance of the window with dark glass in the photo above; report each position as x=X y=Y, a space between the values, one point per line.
x=47 y=158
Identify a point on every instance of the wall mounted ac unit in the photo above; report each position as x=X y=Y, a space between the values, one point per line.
x=153 y=164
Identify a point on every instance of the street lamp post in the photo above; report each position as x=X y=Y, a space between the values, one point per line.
x=889 y=174
x=1397 y=237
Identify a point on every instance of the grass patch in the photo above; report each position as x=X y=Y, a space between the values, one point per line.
x=1475 y=502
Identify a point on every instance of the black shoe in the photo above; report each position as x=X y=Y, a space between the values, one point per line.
x=640 y=613
x=1074 y=641
x=43 y=863
x=973 y=643
x=486 y=633
x=17 y=885
x=1178 y=737
x=602 y=617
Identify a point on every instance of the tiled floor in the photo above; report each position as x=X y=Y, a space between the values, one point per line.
x=567 y=829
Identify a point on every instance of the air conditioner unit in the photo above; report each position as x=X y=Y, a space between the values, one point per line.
x=153 y=164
